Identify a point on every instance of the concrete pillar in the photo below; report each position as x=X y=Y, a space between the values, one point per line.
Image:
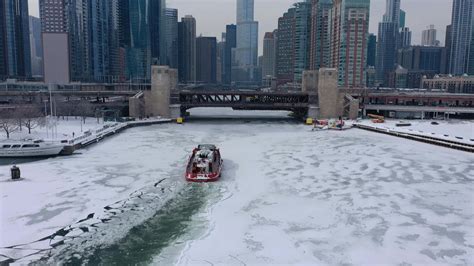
x=173 y=78
x=158 y=103
x=313 y=112
x=310 y=81
x=328 y=93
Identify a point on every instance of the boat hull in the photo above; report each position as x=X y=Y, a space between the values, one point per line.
x=204 y=178
x=29 y=153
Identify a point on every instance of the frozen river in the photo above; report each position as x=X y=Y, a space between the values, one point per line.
x=287 y=195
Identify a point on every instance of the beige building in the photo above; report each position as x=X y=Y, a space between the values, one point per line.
x=459 y=84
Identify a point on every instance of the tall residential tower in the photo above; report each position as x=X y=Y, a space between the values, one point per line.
x=461 y=56
x=349 y=31
x=15 y=60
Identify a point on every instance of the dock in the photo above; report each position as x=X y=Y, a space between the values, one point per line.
x=94 y=136
x=421 y=138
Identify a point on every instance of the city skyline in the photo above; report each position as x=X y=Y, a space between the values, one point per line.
x=267 y=13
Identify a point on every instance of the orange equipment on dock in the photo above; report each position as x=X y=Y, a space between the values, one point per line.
x=377 y=118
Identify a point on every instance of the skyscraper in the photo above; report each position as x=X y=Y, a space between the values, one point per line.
x=462 y=55
x=286 y=47
x=302 y=39
x=36 y=47
x=15 y=60
x=448 y=42
x=388 y=39
x=246 y=52
x=319 y=42
x=104 y=45
x=371 y=50
x=392 y=11
x=171 y=38
x=157 y=23
x=187 y=49
x=349 y=31
x=206 y=59
x=268 y=64
x=55 y=35
x=429 y=36
x=402 y=19
x=230 y=45
x=405 y=37
x=142 y=30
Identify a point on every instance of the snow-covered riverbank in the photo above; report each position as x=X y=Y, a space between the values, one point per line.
x=287 y=195
x=452 y=130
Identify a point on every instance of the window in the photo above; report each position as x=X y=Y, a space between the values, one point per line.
x=6 y=146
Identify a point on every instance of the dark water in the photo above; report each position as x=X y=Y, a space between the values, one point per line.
x=144 y=242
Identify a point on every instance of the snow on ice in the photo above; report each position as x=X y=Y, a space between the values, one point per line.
x=290 y=195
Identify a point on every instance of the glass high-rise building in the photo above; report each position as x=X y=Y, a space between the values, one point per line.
x=461 y=58
x=245 y=69
x=302 y=39
x=187 y=49
x=15 y=59
x=388 y=40
x=36 y=47
x=286 y=47
x=142 y=30
x=171 y=37
x=371 y=50
x=206 y=60
x=428 y=37
x=268 y=59
x=230 y=45
x=405 y=37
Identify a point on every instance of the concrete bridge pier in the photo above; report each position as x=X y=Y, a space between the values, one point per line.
x=156 y=102
x=310 y=86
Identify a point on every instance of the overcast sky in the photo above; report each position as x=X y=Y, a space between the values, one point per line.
x=213 y=15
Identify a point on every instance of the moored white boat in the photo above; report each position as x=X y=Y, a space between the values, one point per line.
x=29 y=148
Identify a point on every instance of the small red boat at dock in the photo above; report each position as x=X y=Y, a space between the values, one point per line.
x=205 y=164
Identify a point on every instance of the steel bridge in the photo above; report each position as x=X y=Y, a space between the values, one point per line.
x=245 y=100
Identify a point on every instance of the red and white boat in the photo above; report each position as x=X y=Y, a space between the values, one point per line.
x=205 y=164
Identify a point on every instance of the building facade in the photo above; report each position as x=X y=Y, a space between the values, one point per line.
x=229 y=49
x=349 y=30
x=171 y=38
x=423 y=58
x=302 y=39
x=405 y=37
x=187 y=49
x=285 y=49
x=319 y=42
x=268 y=60
x=57 y=56
x=245 y=67
x=15 y=59
x=371 y=50
x=461 y=58
x=36 y=47
x=206 y=60
x=428 y=37
x=458 y=84
x=388 y=39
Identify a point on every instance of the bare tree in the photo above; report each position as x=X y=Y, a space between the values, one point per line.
x=31 y=117
x=85 y=109
x=8 y=123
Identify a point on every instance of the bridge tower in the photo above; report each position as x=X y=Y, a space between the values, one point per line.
x=156 y=102
x=310 y=86
x=328 y=93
